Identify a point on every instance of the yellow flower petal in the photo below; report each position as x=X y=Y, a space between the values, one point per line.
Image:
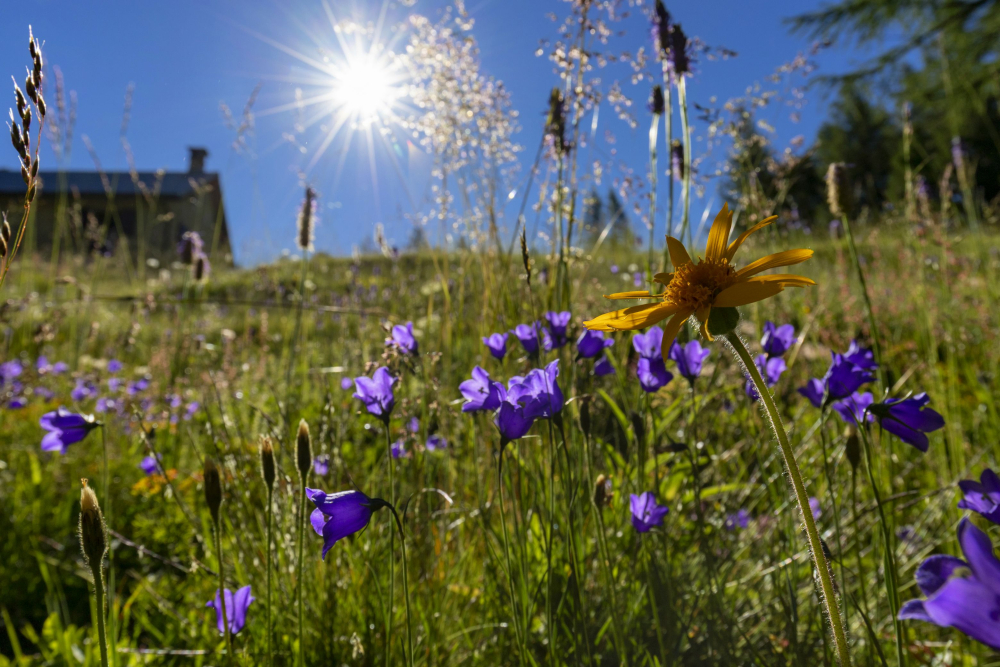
x=750 y=291
x=735 y=245
x=637 y=294
x=783 y=258
x=672 y=328
x=703 y=314
x=636 y=317
x=786 y=279
x=663 y=278
x=718 y=235
x=678 y=255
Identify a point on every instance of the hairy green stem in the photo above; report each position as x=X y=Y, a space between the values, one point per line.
x=801 y=497
x=302 y=524
x=102 y=637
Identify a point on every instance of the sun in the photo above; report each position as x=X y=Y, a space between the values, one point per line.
x=365 y=87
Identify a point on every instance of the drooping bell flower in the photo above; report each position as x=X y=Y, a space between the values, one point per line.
x=398 y=449
x=376 y=393
x=480 y=392
x=150 y=465
x=814 y=391
x=346 y=383
x=321 y=465
x=237 y=605
x=740 y=519
x=10 y=370
x=114 y=366
x=497 y=345
x=512 y=419
x=861 y=357
x=603 y=367
x=402 y=339
x=650 y=344
x=853 y=409
x=844 y=377
x=338 y=515
x=64 y=429
x=982 y=497
x=689 y=358
x=82 y=391
x=557 y=324
x=539 y=392
x=909 y=419
x=652 y=374
x=961 y=594
x=592 y=343
x=777 y=340
x=528 y=335
x=646 y=512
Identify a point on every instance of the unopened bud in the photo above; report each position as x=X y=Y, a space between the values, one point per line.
x=303 y=449
x=838 y=189
x=852 y=448
x=603 y=492
x=213 y=489
x=267 y=462
x=93 y=538
x=24 y=176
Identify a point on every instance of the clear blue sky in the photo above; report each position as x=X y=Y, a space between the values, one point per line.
x=187 y=56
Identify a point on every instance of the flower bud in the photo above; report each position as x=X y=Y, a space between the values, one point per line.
x=603 y=492
x=267 y=462
x=303 y=450
x=93 y=539
x=213 y=489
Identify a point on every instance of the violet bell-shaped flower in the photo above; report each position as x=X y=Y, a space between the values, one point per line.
x=909 y=419
x=982 y=497
x=646 y=512
x=480 y=393
x=497 y=345
x=402 y=339
x=777 y=340
x=64 y=429
x=592 y=343
x=689 y=358
x=339 y=515
x=376 y=393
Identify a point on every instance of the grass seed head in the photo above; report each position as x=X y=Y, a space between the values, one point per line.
x=267 y=462
x=93 y=539
x=303 y=449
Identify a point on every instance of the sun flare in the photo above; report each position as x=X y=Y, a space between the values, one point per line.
x=365 y=88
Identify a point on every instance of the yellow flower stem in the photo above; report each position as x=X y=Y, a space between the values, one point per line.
x=801 y=497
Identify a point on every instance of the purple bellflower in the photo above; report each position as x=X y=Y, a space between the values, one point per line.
x=860 y=356
x=603 y=367
x=346 y=383
x=237 y=605
x=909 y=419
x=321 y=465
x=592 y=343
x=650 y=344
x=539 y=392
x=814 y=391
x=776 y=340
x=689 y=358
x=646 y=513
x=338 y=515
x=982 y=497
x=854 y=408
x=740 y=519
x=528 y=335
x=150 y=465
x=398 y=449
x=82 y=391
x=652 y=374
x=114 y=366
x=480 y=393
x=512 y=418
x=10 y=370
x=376 y=393
x=557 y=328
x=844 y=377
x=436 y=442
x=497 y=345
x=64 y=429
x=961 y=594
x=402 y=339
x=770 y=369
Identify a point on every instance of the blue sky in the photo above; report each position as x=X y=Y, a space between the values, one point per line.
x=185 y=57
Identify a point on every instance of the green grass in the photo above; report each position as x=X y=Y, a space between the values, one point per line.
x=690 y=593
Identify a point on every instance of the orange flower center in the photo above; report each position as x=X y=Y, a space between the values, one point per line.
x=695 y=286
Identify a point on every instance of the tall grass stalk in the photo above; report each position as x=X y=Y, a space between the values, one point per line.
x=654 y=127
x=668 y=122
x=686 y=139
x=406 y=587
x=801 y=497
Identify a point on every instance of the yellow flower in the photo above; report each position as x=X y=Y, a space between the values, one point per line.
x=695 y=287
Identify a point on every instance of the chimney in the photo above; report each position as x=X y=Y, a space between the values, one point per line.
x=196 y=160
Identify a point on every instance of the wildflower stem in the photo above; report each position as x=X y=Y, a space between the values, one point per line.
x=406 y=587
x=686 y=138
x=549 y=619
x=270 y=540
x=801 y=497
x=302 y=523
x=868 y=302
x=653 y=130
x=102 y=638
x=222 y=592
x=506 y=550
x=668 y=113
x=111 y=562
x=392 y=548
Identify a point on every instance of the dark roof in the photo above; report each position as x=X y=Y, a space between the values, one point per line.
x=173 y=184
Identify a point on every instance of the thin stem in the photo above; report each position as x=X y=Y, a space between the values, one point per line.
x=668 y=122
x=506 y=551
x=111 y=562
x=653 y=129
x=548 y=548
x=302 y=523
x=686 y=139
x=392 y=548
x=802 y=498
x=102 y=637
x=406 y=586
x=270 y=540
x=222 y=592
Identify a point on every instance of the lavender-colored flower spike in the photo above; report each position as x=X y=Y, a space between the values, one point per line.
x=592 y=343
x=403 y=339
x=497 y=345
x=480 y=392
x=982 y=497
x=854 y=407
x=236 y=608
x=64 y=429
x=652 y=374
x=961 y=594
x=677 y=160
x=909 y=419
x=528 y=335
x=603 y=367
x=646 y=513
x=661 y=30
x=689 y=358
x=776 y=340
x=338 y=515
x=376 y=393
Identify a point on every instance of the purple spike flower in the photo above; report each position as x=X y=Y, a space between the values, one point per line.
x=236 y=609
x=661 y=30
x=909 y=419
x=982 y=497
x=776 y=340
x=480 y=392
x=557 y=328
x=961 y=594
x=650 y=344
x=652 y=374
x=150 y=465
x=592 y=343
x=854 y=407
x=528 y=335
x=603 y=367
x=689 y=358
x=436 y=442
x=497 y=345
x=402 y=339
x=64 y=429
x=376 y=393
x=770 y=369
x=190 y=247
x=321 y=465
x=646 y=513
x=338 y=515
